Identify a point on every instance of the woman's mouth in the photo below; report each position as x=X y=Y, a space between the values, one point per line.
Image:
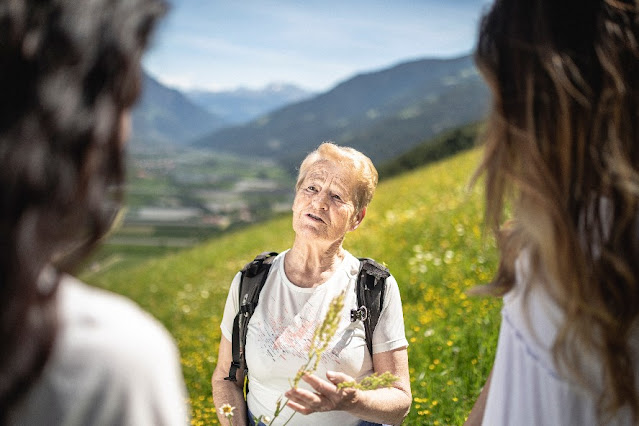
x=315 y=218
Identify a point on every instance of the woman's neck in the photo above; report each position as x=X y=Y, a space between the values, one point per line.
x=310 y=264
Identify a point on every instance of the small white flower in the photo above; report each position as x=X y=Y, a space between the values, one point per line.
x=227 y=411
x=266 y=420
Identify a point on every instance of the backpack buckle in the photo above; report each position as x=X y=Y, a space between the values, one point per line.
x=254 y=267
x=234 y=366
x=247 y=309
x=359 y=314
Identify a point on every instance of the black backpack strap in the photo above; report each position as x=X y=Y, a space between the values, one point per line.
x=235 y=363
x=253 y=277
x=371 y=286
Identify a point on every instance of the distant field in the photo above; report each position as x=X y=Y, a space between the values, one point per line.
x=425 y=225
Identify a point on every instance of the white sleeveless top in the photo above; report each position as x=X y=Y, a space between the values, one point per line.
x=526 y=386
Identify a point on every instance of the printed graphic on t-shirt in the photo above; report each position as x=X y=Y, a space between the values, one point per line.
x=287 y=336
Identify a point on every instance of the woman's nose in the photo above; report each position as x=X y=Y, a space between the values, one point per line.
x=319 y=201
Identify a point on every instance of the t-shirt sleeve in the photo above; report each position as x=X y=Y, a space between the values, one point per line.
x=231 y=308
x=389 y=333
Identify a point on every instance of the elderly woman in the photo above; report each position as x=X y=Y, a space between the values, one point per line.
x=334 y=187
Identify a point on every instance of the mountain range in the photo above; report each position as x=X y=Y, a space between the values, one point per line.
x=383 y=113
x=165 y=116
x=242 y=105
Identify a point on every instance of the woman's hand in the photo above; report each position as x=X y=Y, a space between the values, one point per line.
x=326 y=396
x=386 y=405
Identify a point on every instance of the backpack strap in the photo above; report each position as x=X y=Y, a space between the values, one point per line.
x=371 y=286
x=253 y=277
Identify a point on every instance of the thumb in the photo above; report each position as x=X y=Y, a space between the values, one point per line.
x=336 y=377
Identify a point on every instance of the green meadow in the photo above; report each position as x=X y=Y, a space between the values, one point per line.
x=425 y=225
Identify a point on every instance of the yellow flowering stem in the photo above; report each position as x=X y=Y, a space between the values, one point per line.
x=372 y=382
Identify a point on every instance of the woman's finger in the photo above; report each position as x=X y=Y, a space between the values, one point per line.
x=299 y=408
x=303 y=396
x=326 y=396
x=320 y=385
x=336 y=377
x=307 y=402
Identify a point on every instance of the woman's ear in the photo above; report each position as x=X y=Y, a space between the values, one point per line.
x=357 y=218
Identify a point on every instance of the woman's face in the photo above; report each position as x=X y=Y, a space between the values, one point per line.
x=324 y=205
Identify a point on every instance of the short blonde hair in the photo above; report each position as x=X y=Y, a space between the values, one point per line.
x=362 y=167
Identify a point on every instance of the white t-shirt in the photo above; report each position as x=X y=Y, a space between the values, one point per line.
x=280 y=331
x=112 y=364
x=526 y=386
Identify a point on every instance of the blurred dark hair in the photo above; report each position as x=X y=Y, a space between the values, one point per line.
x=562 y=145
x=69 y=71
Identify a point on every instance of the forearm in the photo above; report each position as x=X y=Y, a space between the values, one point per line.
x=227 y=392
x=476 y=415
x=388 y=405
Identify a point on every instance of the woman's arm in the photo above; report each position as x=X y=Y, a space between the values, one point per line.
x=477 y=413
x=388 y=405
x=226 y=391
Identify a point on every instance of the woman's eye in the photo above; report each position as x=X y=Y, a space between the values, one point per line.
x=337 y=197
x=311 y=188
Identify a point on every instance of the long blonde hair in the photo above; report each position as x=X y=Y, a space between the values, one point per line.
x=562 y=151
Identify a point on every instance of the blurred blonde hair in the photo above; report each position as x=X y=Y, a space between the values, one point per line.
x=562 y=145
x=361 y=166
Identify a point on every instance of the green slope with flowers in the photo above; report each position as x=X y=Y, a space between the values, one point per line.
x=425 y=225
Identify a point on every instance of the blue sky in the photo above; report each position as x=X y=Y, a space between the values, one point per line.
x=225 y=44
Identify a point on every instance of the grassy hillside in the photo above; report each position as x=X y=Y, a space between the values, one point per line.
x=425 y=225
